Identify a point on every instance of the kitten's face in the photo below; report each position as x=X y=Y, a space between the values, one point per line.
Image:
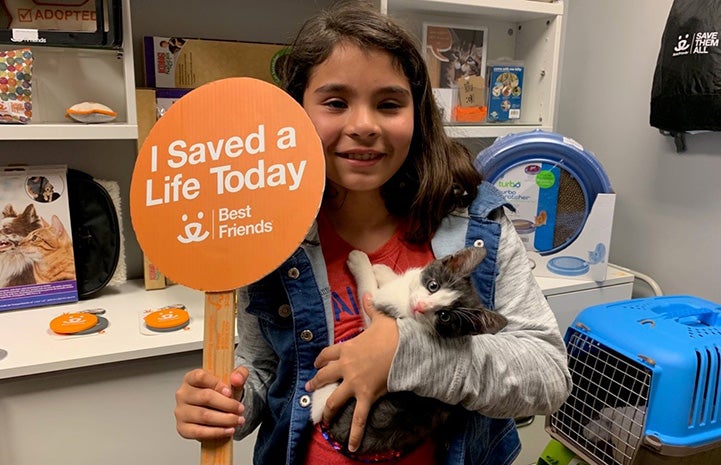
x=14 y=227
x=441 y=296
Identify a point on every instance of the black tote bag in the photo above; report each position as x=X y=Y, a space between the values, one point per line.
x=686 y=92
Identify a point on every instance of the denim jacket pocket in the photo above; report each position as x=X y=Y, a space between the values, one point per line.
x=268 y=302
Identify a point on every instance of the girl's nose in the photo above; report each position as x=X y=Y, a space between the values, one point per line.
x=363 y=123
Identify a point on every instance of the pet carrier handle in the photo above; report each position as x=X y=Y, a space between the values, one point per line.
x=218 y=358
x=701 y=319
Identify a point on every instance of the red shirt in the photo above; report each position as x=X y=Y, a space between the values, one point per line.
x=348 y=321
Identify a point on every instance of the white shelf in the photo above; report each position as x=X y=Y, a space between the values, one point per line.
x=523 y=30
x=65 y=76
x=512 y=10
x=70 y=131
x=489 y=130
x=32 y=348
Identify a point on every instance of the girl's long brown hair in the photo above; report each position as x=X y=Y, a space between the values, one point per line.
x=438 y=176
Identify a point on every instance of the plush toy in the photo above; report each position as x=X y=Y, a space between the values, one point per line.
x=91 y=112
x=622 y=427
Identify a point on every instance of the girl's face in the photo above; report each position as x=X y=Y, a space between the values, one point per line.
x=362 y=107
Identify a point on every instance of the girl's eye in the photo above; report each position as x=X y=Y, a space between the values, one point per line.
x=444 y=316
x=389 y=106
x=336 y=104
x=433 y=285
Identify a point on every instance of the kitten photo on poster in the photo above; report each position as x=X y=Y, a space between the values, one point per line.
x=440 y=297
x=15 y=267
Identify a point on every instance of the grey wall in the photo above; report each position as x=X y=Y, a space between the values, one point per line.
x=668 y=212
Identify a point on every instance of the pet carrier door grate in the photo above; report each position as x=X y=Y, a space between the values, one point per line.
x=647 y=377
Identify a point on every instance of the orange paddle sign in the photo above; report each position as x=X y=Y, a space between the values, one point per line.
x=227 y=184
x=225 y=187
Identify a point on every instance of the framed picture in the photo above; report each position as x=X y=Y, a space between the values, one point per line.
x=453 y=52
x=63 y=23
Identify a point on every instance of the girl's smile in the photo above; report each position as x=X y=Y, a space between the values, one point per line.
x=361 y=105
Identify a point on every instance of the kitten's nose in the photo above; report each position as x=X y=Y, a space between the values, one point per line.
x=419 y=307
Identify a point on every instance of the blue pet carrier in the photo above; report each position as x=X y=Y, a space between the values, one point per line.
x=647 y=383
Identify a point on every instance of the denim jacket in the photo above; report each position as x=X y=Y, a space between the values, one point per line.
x=285 y=320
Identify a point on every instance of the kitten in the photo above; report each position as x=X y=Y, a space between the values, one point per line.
x=15 y=268
x=47 y=192
x=441 y=298
x=51 y=250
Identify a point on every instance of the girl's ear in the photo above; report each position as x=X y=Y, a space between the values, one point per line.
x=465 y=260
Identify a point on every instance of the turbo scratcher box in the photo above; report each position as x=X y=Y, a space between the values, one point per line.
x=37 y=265
x=175 y=62
x=562 y=198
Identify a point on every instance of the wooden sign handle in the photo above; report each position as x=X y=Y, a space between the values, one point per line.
x=218 y=358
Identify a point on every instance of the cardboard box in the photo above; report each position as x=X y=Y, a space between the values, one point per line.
x=165 y=98
x=145 y=104
x=145 y=109
x=505 y=92
x=35 y=210
x=175 y=62
x=151 y=104
x=587 y=256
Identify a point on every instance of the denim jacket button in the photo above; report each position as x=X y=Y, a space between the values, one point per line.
x=306 y=335
x=304 y=401
x=284 y=310
x=293 y=273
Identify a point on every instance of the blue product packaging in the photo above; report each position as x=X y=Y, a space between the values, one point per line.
x=505 y=91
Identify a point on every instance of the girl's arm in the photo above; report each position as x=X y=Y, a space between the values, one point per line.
x=253 y=352
x=517 y=372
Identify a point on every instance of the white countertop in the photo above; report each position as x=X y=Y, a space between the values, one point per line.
x=33 y=348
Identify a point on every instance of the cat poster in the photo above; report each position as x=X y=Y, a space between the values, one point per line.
x=454 y=52
x=37 y=265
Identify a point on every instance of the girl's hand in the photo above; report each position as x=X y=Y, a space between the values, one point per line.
x=363 y=364
x=206 y=408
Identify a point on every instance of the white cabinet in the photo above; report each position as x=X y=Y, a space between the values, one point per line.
x=121 y=382
x=524 y=30
x=63 y=77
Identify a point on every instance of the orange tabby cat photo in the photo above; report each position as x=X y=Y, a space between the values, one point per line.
x=50 y=250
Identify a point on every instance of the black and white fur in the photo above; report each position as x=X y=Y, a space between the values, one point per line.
x=441 y=298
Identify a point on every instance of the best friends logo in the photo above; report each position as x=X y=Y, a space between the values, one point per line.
x=696 y=43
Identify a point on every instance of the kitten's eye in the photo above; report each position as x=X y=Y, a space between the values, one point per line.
x=433 y=285
x=444 y=316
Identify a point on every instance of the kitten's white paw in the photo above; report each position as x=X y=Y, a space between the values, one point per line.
x=358 y=262
x=320 y=396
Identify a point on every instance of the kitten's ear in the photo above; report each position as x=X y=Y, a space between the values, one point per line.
x=9 y=211
x=465 y=260
x=30 y=213
x=488 y=322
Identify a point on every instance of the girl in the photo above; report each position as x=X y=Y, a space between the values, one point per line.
x=401 y=191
